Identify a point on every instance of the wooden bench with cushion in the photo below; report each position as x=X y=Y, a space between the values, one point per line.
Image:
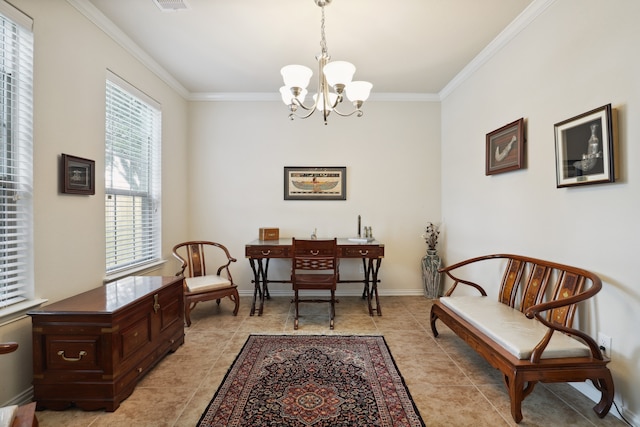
x=527 y=332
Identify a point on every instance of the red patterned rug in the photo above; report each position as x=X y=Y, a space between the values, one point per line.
x=312 y=380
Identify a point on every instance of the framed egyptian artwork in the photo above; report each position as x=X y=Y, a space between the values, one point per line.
x=315 y=183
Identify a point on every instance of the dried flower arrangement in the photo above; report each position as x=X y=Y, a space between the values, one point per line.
x=430 y=235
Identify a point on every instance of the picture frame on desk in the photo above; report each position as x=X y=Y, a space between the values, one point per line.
x=315 y=183
x=78 y=175
x=586 y=148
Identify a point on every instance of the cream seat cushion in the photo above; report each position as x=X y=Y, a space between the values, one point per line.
x=206 y=283
x=7 y=415
x=512 y=329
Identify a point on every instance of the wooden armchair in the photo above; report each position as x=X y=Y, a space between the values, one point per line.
x=200 y=286
x=314 y=266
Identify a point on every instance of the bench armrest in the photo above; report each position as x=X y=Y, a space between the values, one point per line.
x=539 y=311
x=448 y=271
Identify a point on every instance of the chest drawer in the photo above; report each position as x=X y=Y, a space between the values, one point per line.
x=72 y=352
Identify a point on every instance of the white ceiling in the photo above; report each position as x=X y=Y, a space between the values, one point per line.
x=239 y=46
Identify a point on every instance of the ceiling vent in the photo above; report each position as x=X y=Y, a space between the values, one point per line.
x=172 y=5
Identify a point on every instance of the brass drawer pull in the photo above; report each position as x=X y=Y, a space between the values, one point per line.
x=156 y=304
x=267 y=252
x=365 y=252
x=72 y=359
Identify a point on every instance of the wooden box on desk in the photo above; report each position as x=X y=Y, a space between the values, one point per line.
x=269 y=233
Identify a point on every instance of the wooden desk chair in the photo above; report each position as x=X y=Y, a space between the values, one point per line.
x=200 y=286
x=314 y=266
x=25 y=415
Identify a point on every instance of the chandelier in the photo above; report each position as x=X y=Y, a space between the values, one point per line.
x=334 y=75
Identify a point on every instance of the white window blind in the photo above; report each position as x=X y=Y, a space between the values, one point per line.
x=16 y=153
x=132 y=178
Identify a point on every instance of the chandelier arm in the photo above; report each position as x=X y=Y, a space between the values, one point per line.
x=358 y=112
x=297 y=103
x=310 y=110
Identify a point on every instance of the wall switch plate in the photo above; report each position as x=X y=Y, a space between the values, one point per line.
x=604 y=341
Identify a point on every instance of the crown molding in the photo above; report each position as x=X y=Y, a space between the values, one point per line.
x=509 y=33
x=272 y=96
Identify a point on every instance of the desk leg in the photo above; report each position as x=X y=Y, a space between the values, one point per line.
x=365 y=290
x=260 y=267
x=374 y=266
x=371 y=267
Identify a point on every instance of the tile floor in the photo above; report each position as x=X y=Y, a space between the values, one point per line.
x=449 y=383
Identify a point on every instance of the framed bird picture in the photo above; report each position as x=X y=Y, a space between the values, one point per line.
x=505 y=148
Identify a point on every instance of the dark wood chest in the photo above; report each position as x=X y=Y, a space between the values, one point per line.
x=91 y=350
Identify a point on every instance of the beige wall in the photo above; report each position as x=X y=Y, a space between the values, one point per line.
x=576 y=56
x=71 y=58
x=392 y=154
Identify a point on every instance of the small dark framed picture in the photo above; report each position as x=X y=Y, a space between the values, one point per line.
x=315 y=183
x=78 y=175
x=586 y=148
x=505 y=148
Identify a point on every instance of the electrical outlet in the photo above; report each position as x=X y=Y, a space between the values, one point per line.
x=604 y=342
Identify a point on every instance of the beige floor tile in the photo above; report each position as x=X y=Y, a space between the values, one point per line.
x=450 y=384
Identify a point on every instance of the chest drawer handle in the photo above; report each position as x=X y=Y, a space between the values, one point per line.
x=365 y=252
x=72 y=359
x=267 y=252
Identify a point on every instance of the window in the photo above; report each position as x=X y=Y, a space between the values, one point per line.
x=132 y=179
x=16 y=170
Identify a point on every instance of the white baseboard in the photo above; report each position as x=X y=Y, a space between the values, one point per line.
x=21 y=399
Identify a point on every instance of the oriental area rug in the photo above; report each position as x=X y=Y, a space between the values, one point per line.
x=312 y=380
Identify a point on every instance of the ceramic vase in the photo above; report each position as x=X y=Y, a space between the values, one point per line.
x=431 y=262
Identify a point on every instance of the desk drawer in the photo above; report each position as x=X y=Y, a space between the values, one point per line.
x=265 y=251
x=361 y=251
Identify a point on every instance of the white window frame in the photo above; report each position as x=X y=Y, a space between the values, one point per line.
x=17 y=288
x=133 y=226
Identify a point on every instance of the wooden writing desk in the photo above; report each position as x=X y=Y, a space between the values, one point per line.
x=259 y=252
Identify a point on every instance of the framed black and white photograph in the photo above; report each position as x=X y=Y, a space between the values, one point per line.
x=78 y=175
x=505 y=148
x=315 y=183
x=585 y=148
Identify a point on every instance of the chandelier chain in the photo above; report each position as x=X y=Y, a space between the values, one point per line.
x=331 y=75
x=323 y=40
